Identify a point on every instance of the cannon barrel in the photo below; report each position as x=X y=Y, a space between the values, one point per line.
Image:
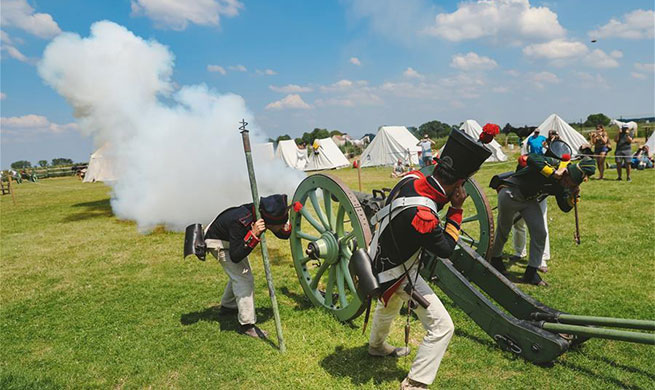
x=591 y=320
x=601 y=333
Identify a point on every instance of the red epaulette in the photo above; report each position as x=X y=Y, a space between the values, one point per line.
x=424 y=221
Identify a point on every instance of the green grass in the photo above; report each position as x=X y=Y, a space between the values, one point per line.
x=88 y=302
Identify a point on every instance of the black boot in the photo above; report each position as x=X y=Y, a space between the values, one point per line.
x=532 y=277
x=497 y=263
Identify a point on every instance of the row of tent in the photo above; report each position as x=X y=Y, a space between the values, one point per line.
x=391 y=143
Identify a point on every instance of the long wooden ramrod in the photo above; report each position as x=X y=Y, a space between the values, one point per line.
x=267 y=265
x=576 y=236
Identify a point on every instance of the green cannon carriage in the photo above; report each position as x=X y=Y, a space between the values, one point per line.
x=329 y=221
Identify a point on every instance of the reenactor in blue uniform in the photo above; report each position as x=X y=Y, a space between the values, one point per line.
x=521 y=191
x=231 y=237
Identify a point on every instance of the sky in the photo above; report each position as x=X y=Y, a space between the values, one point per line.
x=351 y=65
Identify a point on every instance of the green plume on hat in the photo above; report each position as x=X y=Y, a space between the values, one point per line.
x=585 y=168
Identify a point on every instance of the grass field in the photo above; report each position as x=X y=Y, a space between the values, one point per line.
x=88 y=302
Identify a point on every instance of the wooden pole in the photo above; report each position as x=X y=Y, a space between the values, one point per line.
x=262 y=242
x=11 y=189
x=359 y=174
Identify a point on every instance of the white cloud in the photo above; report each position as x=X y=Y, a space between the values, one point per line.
x=361 y=97
x=15 y=53
x=238 y=68
x=290 y=88
x=587 y=80
x=639 y=76
x=540 y=79
x=31 y=125
x=503 y=21
x=18 y=13
x=293 y=101
x=600 y=59
x=355 y=61
x=500 y=89
x=338 y=86
x=7 y=45
x=556 y=49
x=472 y=61
x=177 y=15
x=3 y=96
x=645 y=67
x=638 y=24
x=266 y=72
x=217 y=69
x=616 y=54
x=412 y=74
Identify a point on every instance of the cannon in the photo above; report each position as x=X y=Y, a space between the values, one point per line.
x=329 y=222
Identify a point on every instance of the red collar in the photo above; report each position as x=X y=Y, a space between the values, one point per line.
x=426 y=187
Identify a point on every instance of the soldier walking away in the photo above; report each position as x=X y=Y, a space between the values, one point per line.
x=230 y=238
x=397 y=247
x=522 y=191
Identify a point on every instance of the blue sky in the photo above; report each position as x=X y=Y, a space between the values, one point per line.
x=348 y=65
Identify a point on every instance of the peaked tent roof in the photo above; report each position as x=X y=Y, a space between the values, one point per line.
x=291 y=154
x=391 y=143
x=474 y=129
x=327 y=156
x=100 y=166
x=651 y=144
x=567 y=133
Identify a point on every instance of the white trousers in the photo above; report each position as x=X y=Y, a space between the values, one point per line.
x=436 y=322
x=519 y=236
x=240 y=289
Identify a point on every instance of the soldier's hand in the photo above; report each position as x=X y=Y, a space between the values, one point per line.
x=457 y=197
x=258 y=227
x=559 y=173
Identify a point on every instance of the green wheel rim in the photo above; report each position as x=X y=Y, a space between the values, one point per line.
x=333 y=222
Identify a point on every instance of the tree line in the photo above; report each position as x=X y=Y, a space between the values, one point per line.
x=24 y=164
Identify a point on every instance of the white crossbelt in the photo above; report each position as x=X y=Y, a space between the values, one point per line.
x=388 y=213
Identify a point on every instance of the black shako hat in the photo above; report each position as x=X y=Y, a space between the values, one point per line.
x=274 y=209
x=466 y=153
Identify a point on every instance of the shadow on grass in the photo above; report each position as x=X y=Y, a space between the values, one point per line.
x=356 y=364
x=630 y=369
x=599 y=375
x=227 y=321
x=302 y=303
x=95 y=209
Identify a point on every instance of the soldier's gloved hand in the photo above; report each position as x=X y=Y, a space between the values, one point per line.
x=458 y=197
x=258 y=227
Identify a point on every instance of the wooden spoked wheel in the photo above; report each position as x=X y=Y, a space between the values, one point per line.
x=328 y=224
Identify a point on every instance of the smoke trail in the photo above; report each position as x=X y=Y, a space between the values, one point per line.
x=177 y=151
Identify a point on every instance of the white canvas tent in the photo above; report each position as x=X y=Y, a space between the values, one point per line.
x=327 y=156
x=100 y=166
x=567 y=133
x=263 y=152
x=391 y=143
x=474 y=129
x=651 y=144
x=291 y=154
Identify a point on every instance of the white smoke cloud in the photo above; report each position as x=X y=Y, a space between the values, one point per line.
x=179 y=152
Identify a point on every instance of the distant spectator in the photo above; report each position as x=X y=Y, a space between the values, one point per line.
x=623 y=151
x=536 y=143
x=601 y=142
x=553 y=135
x=426 y=150
x=398 y=169
x=640 y=159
